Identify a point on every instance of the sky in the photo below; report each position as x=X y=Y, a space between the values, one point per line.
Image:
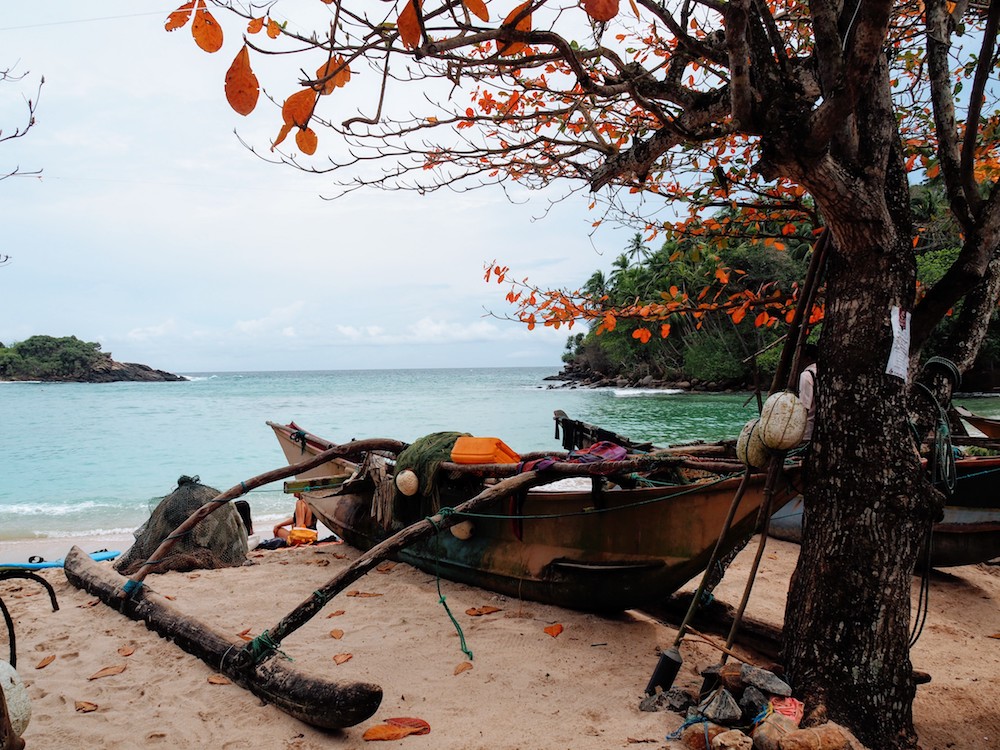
x=154 y=232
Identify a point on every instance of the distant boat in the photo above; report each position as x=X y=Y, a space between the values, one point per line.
x=607 y=543
x=968 y=534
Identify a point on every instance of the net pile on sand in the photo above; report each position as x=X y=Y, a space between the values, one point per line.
x=219 y=541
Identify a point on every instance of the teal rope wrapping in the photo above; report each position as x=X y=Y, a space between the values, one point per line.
x=444 y=513
x=263 y=646
x=323 y=597
x=131 y=586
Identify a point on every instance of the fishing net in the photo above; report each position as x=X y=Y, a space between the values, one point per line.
x=219 y=541
x=423 y=457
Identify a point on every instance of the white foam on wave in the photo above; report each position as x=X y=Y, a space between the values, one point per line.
x=63 y=534
x=641 y=392
x=46 y=509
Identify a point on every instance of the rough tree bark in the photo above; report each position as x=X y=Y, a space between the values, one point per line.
x=867 y=508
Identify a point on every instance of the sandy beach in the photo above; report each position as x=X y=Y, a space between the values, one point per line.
x=526 y=689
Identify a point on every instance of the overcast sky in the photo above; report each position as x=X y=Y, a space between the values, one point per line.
x=154 y=232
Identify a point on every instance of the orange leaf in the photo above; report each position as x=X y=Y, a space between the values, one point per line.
x=218 y=679
x=206 y=31
x=342 y=658
x=387 y=732
x=420 y=725
x=45 y=661
x=513 y=48
x=635 y=8
x=107 y=672
x=245 y=635
x=337 y=634
x=126 y=650
x=722 y=275
x=480 y=611
x=298 y=108
x=643 y=335
x=333 y=74
x=85 y=707
x=306 y=140
x=179 y=17
x=465 y=666
x=477 y=8
x=338 y=613
x=242 y=88
x=761 y=319
x=273 y=29
x=255 y=25
x=665 y=330
x=554 y=630
x=409 y=25
x=385 y=567
x=362 y=594
x=601 y=10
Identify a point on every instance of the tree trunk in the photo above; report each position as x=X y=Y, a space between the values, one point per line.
x=867 y=511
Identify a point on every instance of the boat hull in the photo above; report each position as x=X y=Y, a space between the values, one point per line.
x=593 y=549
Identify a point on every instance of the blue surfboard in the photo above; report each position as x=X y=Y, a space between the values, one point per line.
x=98 y=556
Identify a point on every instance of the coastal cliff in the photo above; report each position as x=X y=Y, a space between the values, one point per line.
x=70 y=360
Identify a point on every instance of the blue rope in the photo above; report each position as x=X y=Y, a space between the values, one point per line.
x=676 y=734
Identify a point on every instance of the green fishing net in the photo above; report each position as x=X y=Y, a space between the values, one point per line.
x=218 y=541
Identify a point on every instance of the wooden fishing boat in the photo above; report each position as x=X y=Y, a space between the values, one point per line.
x=613 y=543
x=968 y=534
x=988 y=426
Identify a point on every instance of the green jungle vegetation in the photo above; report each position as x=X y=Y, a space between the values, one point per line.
x=49 y=358
x=719 y=353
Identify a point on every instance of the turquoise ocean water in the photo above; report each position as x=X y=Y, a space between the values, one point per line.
x=85 y=461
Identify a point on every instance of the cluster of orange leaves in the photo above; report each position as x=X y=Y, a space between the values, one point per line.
x=242 y=87
x=556 y=308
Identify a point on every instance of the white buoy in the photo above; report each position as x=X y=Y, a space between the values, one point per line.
x=407 y=482
x=750 y=449
x=16 y=696
x=783 y=421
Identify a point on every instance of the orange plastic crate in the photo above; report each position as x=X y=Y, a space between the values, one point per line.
x=483 y=450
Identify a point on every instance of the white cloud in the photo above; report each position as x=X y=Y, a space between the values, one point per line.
x=166 y=328
x=154 y=228
x=276 y=320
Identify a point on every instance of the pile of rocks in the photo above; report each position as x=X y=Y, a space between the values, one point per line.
x=746 y=708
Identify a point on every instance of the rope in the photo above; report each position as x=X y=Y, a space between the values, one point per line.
x=263 y=646
x=923 y=598
x=942 y=461
x=676 y=734
x=458 y=628
x=441 y=598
